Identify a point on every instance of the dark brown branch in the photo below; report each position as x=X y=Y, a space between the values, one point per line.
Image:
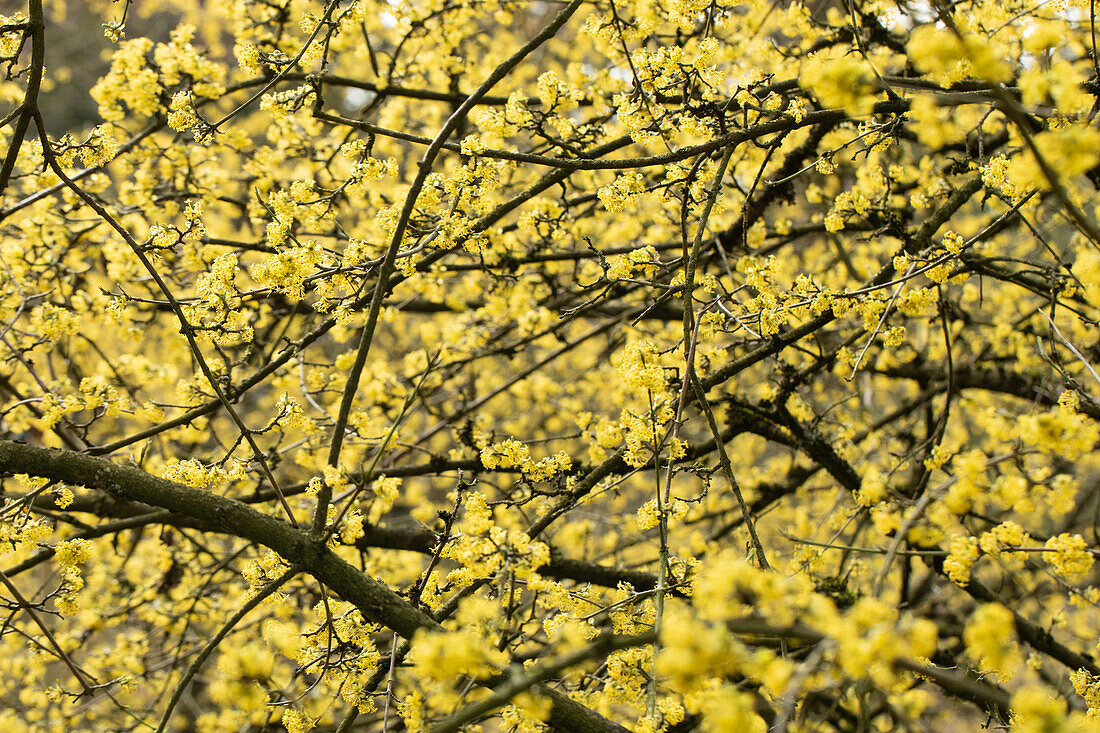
x=36 y=26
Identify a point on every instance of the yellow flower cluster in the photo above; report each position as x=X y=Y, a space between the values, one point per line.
x=1037 y=711
x=555 y=94
x=649 y=516
x=263 y=569
x=949 y=58
x=94 y=393
x=100 y=148
x=621 y=193
x=872 y=488
x=483 y=549
x=917 y=302
x=217 y=302
x=667 y=67
x=54 y=322
x=601 y=434
x=995 y=176
x=640 y=367
x=990 y=637
x=642 y=431
x=1060 y=431
x=243 y=672
x=71 y=556
x=448 y=655
x=845 y=82
x=465 y=649
x=130 y=81
x=511 y=453
x=12 y=36
x=963 y=554
x=181 y=112
x=386 y=490
x=699 y=650
x=295 y=721
x=281 y=104
x=1059 y=84
x=179 y=58
x=16 y=537
x=621 y=267
x=1070 y=152
x=358 y=659
x=248 y=57
x=193 y=473
x=97 y=393
x=1087 y=686
x=1000 y=541
x=136 y=83
x=1069 y=555
x=869 y=191
x=287 y=271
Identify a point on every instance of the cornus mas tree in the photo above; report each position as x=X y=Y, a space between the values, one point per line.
x=635 y=365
